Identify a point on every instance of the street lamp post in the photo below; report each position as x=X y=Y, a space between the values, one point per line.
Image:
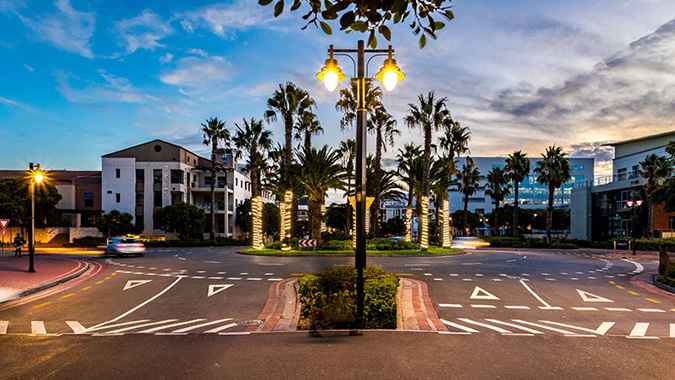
x=634 y=205
x=389 y=75
x=35 y=177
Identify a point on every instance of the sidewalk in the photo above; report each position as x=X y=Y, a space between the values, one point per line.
x=15 y=281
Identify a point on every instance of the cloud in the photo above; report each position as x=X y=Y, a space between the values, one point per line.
x=67 y=29
x=28 y=68
x=115 y=90
x=198 y=52
x=224 y=19
x=10 y=102
x=142 y=32
x=166 y=58
x=199 y=73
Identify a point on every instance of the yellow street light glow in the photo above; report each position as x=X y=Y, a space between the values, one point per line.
x=390 y=74
x=408 y=224
x=424 y=223
x=256 y=208
x=445 y=216
x=286 y=210
x=38 y=178
x=331 y=74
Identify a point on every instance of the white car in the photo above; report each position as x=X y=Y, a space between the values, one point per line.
x=468 y=242
x=125 y=246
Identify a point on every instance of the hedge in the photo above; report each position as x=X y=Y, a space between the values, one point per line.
x=328 y=298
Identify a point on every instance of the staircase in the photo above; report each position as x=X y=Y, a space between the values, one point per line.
x=59 y=240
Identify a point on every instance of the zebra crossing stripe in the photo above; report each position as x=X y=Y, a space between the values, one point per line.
x=3 y=327
x=221 y=328
x=495 y=328
x=601 y=330
x=639 y=331
x=116 y=325
x=171 y=325
x=515 y=326
x=458 y=326
x=672 y=330
x=38 y=327
x=139 y=326
x=544 y=327
x=76 y=327
x=186 y=329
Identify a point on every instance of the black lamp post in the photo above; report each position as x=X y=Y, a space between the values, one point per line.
x=35 y=177
x=634 y=205
x=389 y=75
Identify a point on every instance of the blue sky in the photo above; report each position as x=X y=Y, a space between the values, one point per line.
x=80 y=79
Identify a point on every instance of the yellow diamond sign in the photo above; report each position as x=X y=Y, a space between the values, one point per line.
x=369 y=201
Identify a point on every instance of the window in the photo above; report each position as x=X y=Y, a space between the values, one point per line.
x=157 y=199
x=88 y=199
x=236 y=181
x=118 y=197
x=157 y=176
x=140 y=175
x=671 y=222
x=176 y=176
x=207 y=181
x=221 y=182
x=117 y=173
x=139 y=199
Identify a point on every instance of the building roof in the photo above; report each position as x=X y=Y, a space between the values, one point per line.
x=117 y=153
x=643 y=138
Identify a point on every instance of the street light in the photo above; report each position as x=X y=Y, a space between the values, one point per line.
x=331 y=74
x=634 y=205
x=36 y=176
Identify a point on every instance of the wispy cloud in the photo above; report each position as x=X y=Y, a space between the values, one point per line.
x=199 y=73
x=114 y=90
x=224 y=19
x=28 y=68
x=166 y=58
x=67 y=29
x=142 y=32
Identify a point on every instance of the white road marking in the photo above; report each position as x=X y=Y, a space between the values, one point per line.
x=563 y=273
x=438 y=279
x=201 y=271
x=273 y=264
x=181 y=258
x=116 y=325
x=549 y=279
x=427 y=274
x=171 y=325
x=186 y=329
x=467 y=279
x=617 y=309
x=495 y=328
x=76 y=327
x=134 y=283
x=545 y=274
x=638 y=267
x=454 y=275
x=221 y=328
x=449 y=305
x=471 y=263
x=37 y=327
x=274 y=279
x=584 y=309
x=254 y=279
x=221 y=272
x=215 y=278
x=139 y=326
x=517 y=307
x=588 y=297
x=417 y=265
x=510 y=261
x=536 y=296
x=639 y=331
x=544 y=327
x=601 y=330
x=234 y=278
x=574 y=279
x=591 y=278
x=213 y=289
x=482 y=294
x=479 y=275
x=460 y=327
x=142 y=304
x=484 y=306
x=197 y=277
x=652 y=310
x=3 y=327
x=496 y=279
x=213 y=262
x=672 y=330
x=269 y=274
x=243 y=274
x=515 y=326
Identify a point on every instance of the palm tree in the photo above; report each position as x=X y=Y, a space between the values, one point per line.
x=317 y=171
x=654 y=169
x=384 y=127
x=406 y=159
x=289 y=102
x=430 y=115
x=347 y=150
x=214 y=131
x=497 y=187
x=517 y=168
x=467 y=183
x=307 y=126
x=553 y=170
x=348 y=102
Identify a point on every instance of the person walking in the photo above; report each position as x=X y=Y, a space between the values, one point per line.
x=18 y=245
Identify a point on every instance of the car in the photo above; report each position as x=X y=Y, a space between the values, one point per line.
x=468 y=242
x=397 y=238
x=125 y=246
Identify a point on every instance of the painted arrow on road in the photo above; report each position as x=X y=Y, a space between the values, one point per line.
x=588 y=297
x=482 y=294
x=134 y=283
x=213 y=289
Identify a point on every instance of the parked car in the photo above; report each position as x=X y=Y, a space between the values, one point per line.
x=468 y=242
x=125 y=246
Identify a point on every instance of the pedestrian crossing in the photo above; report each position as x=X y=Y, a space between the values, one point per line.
x=171 y=326
x=519 y=327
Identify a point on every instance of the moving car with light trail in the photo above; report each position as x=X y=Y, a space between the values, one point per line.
x=125 y=246
x=468 y=242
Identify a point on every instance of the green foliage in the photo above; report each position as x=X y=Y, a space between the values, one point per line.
x=367 y=16
x=337 y=235
x=218 y=242
x=382 y=244
x=273 y=245
x=393 y=227
x=666 y=280
x=328 y=298
x=336 y=245
x=563 y=246
x=15 y=202
x=186 y=219
x=271 y=219
x=337 y=216
x=243 y=217
x=503 y=241
x=117 y=223
x=88 y=241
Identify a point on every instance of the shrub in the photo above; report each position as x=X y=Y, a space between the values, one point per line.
x=383 y=244
x=666 y=280
x=337 y=235
x=504 y=241
x=274 y=245
x=563 y=246
x=336 y=245
x=328 y=298
x=89 y=241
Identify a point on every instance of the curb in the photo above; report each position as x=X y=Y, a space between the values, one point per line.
x=665 y=287
x=464 y=253
x=52 y=284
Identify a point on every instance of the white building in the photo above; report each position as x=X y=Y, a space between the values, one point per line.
x=139 y=179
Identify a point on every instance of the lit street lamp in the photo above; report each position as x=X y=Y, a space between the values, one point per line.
x=634 y=205
x=331 y=75
x=35 y=177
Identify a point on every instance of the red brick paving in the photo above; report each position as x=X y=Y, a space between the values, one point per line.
x=14 y=271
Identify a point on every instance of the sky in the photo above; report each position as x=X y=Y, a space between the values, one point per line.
x=80 y=79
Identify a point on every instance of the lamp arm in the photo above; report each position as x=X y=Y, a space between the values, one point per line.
x=348 y=56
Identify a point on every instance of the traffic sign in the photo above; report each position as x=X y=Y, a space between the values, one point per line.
x=307 y=243
x=4 y=232
x=4 y=223
x=369 y=201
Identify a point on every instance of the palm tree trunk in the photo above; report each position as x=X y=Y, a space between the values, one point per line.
x=308 y=140
x=549 y=214
x=466 y=207
x=314 y=214
x=650 y=221
x=214 y=150
x=496 y=226
x=515 y=211
x=375 y=215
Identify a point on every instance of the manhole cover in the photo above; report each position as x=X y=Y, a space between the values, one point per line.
x=251 y=322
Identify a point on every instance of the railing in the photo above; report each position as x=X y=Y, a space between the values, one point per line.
x=604 y=180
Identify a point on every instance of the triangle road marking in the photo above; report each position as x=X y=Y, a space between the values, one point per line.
x=588 y=297
x=213 y=289
x=481 y=294
x=134 y=283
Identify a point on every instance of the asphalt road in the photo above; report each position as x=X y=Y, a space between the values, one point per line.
x=182 y=313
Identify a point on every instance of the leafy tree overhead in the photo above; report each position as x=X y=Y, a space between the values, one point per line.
x=666 y=192
x=186 y=219
x=117 y=223
x=371 y=16
x=337 y=216
x=654 y=169
x=15 y=202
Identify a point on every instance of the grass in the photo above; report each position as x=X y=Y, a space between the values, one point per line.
x=407 y=252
